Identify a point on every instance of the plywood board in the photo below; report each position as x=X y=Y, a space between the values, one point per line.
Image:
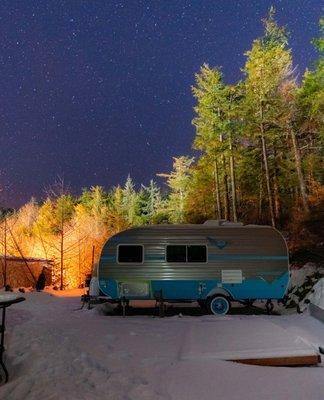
x=243 y=338
x=282 y=361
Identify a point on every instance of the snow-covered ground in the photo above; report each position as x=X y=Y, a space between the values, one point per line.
x=56 y=352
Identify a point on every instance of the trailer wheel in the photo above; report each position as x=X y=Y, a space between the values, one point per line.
x=219 y=305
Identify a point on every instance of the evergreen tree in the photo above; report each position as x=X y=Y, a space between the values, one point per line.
x=200 y=204
x=116 y=220
x=45 y=223
x=178 y=182
x=311 y=113
x=151 y=200
x=217 y=121
x=266 y=69
x=209 y=94
x=289 y=123
x=130 y=202
x=95 y=201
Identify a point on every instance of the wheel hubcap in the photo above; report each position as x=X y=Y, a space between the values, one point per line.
x=219 y=305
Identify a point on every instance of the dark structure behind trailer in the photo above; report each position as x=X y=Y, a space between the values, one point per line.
x=24 y=272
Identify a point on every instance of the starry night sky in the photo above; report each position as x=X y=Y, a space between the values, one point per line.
x=94 y=90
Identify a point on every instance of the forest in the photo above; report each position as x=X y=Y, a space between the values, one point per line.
x=258 y=158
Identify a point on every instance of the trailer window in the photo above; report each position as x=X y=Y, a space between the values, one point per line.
x=130 y=253
x=176 y=253
x=186 y=253
x=196 y=253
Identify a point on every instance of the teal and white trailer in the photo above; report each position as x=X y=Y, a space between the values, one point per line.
x=214 y=263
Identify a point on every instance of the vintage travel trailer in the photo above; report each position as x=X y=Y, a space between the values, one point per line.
x=214 y=263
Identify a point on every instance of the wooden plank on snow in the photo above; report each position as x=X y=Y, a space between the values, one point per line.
x=312 y=359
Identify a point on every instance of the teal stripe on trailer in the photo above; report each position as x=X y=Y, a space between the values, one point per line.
x=215 y=257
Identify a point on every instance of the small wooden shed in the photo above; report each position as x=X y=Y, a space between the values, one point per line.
x=23 y=272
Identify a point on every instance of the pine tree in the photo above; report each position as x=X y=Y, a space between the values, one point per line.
x=200 y=204
x=151 y=200
x=178 y=183
x=45 y=223
x=311 y=112
x=266 y=68
x=130 y=202
x=289 y=123
x=216 y=121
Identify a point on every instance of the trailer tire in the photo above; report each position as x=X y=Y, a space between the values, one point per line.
x=218 y=304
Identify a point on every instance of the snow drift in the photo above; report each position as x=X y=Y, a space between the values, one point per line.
x=305 y=286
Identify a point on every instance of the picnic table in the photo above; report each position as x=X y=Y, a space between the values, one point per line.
x=6 y=300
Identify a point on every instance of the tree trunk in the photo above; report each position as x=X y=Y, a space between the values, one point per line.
x=267 y=174
x=22 y=256
x=276 y=197
x=261 y=193
x=61 y=259
x=266 y=167
x=181 y=206
x=218 y=203
x=226 y=197
x=277 y=205
x=225 y=183
x=62 y=248
x=92 y=256
x=301 y=181
x=233 y=185
x=79 y=261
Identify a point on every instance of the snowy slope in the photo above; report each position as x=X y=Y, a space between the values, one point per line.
x=316 y=296
x=56 y=352
x=301 y=285
x=298 y=276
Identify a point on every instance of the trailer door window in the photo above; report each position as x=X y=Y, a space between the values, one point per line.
x=128 y=253
x=176 y=253
x=196 y=253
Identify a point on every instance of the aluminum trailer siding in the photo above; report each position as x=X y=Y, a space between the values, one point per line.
x=239 y=262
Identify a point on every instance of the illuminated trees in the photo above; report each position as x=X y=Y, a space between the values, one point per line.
x=178 y=183
x=262 y=137
x=266 y=68
x=151 y=201
x=289 y=123
x=311 y=113
x=130 y=202
x=217 y=124
x=209 y=133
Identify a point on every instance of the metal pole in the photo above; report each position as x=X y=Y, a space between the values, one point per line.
x=3 y=320
x=5 y=253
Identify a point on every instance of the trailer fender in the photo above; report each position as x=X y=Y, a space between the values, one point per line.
x=219 y=290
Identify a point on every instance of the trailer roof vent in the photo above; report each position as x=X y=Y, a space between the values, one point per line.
x=215 y=222
x=222 y=222
x=230 y=223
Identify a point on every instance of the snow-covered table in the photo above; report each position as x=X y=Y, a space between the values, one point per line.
x=6 y=300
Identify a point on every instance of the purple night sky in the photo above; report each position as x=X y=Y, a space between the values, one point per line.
x=95 y=90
